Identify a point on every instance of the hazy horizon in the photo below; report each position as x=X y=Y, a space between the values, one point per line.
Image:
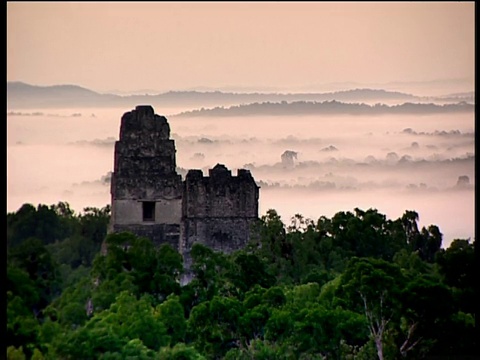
x=289 y=46
x=435 y=87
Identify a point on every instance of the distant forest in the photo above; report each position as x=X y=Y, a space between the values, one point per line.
x=354 y=286
x=329 y=108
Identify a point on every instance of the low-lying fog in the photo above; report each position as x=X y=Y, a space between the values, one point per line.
x=330 y=164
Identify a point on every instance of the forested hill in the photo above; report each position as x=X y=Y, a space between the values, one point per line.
x=357 y=285
x=25 y=96
x=329 y=108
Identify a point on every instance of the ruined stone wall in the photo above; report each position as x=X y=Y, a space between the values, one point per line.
x=149 y=198
x=218 y=210
x=145 y=172
x=220 y=194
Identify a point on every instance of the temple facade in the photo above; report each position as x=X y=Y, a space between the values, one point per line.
x=149 y=198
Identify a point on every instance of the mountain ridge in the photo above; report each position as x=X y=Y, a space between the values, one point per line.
x=21 y=95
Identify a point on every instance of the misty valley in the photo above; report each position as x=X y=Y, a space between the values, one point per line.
x=314 y=165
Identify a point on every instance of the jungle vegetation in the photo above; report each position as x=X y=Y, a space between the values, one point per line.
x=354 y=286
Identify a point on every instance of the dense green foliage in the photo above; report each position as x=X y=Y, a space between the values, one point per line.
x=356 y=286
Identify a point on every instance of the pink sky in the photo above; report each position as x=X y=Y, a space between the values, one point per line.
x=180 y=45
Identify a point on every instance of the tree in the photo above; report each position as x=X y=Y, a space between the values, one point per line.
x=113 y=330
x=428 y=242
x=94 y=223
x=33 y=257
x=133 y=263
x=22 y=327
x=171 y=314
x=180 y=352
x=251 y=271
x=457 y=266
x=74 y=251
x=46 y=223
x=169 y=267
x=409 y=221
x=135 y=349
x=19 y=283
x=280 y=326
x=321 y=331
x=426 y=303
x=214 y=325
x=21 y=225
x=261 y=350
x=15 y=354
x=271 y=245
x=210 y=271
x=373 y=287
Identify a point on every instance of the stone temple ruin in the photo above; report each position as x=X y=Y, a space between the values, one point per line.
x=150 y=199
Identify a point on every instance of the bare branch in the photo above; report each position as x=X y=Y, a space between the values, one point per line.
x=405 y=346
